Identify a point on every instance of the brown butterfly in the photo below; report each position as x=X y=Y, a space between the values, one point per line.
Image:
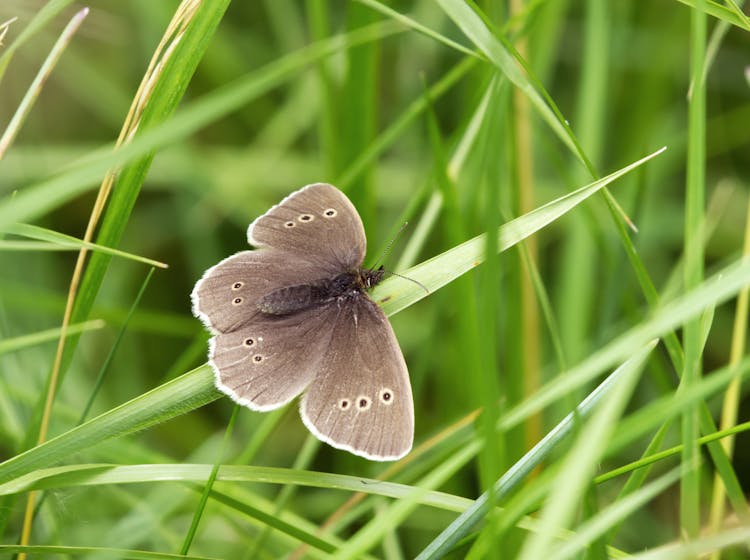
x=294 y=317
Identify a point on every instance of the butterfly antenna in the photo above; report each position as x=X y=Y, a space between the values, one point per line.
x=417 y=282
x=388 y=250
x=388 y=247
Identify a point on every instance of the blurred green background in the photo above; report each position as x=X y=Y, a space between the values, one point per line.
x=369 y=120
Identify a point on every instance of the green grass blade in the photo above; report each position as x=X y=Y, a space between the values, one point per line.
x=35 y=200
x=188 y=392
x=613 y=514
x=515 y=475
x=129 y=553
x=693 y=271
x=62 y=240
x=723 y=13
x=115 y=345
x=501 y=54
x=651 y=458
x=578 y=466
x=667 y=407
x=400 y=124
x=198 y=514
x=25 y=341
x=273 y=520
x=368 y=536
x=397 y=293
x=103 y=474
x=413 y=24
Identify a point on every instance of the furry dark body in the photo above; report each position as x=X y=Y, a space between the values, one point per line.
x=347 y=285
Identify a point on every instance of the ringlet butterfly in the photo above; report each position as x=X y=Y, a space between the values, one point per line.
x=293 y=317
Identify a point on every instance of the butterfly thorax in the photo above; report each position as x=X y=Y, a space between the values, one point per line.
x=343 y=287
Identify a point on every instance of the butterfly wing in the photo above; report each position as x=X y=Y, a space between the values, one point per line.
x=271 y=359
x=360 y=399
x=226 y=297
x=317 y=223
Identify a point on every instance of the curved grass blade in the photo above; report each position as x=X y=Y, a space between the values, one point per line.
x=652 y=458
x=66 y=551
x=502 y=55
x=102 y=474
x=275 y=521
x=404 y=120
x=720 y=12
x=371 y=533
x=410 y=22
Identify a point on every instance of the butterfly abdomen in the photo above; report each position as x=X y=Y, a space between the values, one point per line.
x=292 y=299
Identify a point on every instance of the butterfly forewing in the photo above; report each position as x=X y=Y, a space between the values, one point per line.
x=226 y=297
x=317 y=223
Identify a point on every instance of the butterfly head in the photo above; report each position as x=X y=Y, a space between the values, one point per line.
x=369 y=278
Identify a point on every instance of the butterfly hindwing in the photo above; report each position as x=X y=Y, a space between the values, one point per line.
x=360 y=399
x=271 y=359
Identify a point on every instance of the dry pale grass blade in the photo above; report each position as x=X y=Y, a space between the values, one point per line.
x=730 y=407
x=14 y=126
x=4 y=29
x=171 y=37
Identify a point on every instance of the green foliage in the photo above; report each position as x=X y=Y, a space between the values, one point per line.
x=524 y=148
